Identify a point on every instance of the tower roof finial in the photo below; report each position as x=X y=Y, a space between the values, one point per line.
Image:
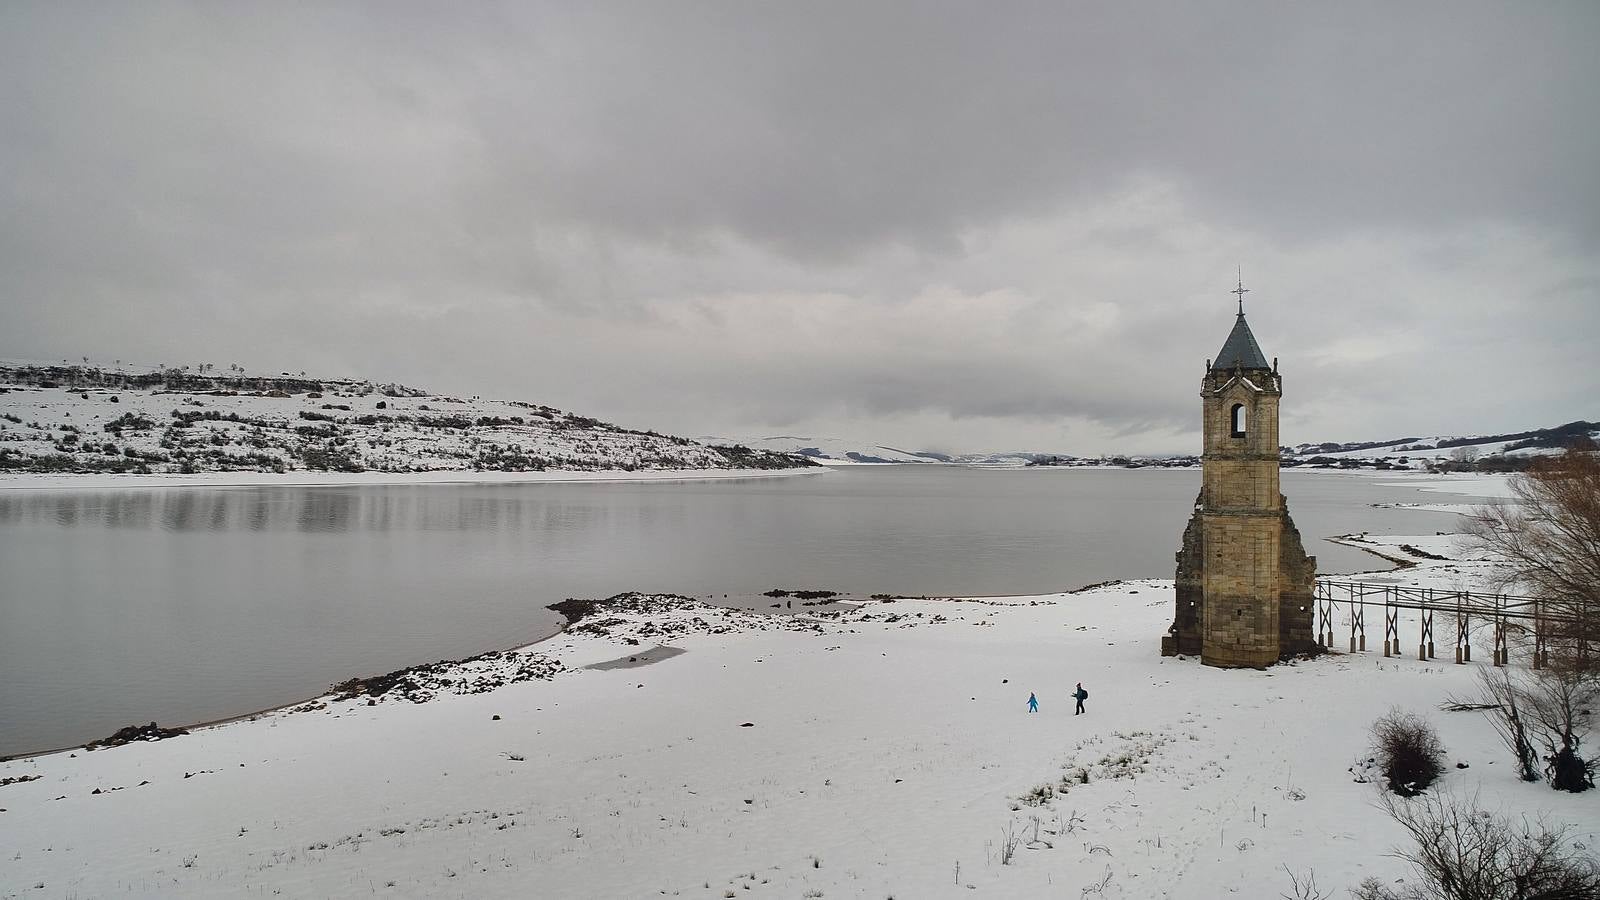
x=1240 y=350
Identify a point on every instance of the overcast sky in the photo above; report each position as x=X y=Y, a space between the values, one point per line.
x=947 y=226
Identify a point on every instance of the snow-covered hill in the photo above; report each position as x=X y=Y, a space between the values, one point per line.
x=1421 y=451
x=1499 y=452
x=842 y=450
x=86 y=419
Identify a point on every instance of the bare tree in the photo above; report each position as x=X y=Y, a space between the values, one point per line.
x=1558 y=701
x=1551 y=538
x=1506 y=713
x=1461 y=852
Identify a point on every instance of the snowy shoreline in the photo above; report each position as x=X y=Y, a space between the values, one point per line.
x=854 y=752
x=65 y=482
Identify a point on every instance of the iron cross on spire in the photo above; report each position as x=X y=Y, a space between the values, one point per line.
x=1241 y=290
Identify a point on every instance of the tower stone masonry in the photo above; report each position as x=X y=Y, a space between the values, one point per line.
x=1244 y=581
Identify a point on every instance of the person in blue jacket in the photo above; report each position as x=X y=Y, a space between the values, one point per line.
x=1080 y=695
x=1033 y=703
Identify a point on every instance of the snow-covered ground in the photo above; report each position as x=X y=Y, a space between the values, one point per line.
x=1473 y=484
x=882 y=751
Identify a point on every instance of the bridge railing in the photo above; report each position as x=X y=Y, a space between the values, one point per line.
x=1533 y=621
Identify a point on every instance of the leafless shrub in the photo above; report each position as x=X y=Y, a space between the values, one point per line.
x=1373 y=888
x=1303 y=890
x=1098 y=888
x=1408 y=752
x=1460 y=852
x=1010 y=840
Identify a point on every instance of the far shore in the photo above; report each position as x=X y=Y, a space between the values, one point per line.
x=1468 y=484
x=67 y=482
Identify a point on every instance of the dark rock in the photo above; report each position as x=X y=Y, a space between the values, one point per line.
x=575 y=608
x=131 y=733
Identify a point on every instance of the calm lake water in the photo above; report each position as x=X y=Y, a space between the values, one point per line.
x=187 y=604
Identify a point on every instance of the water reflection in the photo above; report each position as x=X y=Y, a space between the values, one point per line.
x=309 y=510
x=182 y=604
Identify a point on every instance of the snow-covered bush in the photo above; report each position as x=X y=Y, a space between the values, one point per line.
x=1408 y=752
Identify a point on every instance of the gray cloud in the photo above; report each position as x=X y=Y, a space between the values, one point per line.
x=952 y=225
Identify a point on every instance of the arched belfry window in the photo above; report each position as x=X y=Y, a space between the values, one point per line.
x=1238 y=417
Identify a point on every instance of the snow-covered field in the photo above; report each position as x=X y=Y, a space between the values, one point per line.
x=880 y=752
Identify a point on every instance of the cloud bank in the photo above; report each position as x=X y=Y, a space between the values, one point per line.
x=948 y=226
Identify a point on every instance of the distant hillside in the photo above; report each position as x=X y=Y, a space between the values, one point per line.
x=1494 y=452
x=90 y=419
x=838 y=450
x=833 y=449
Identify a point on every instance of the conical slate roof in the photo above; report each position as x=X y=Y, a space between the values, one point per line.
x=1240 y=349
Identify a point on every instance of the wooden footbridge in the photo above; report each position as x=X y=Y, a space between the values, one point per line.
x=1523 y=617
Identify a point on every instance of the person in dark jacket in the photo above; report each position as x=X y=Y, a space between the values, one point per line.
x=1033 y=703
x=1080 y=695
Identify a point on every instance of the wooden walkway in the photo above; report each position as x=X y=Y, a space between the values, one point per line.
x=1463 y=609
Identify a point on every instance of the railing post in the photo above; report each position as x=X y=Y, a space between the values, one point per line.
x=1499 y=639
x=1540 y=653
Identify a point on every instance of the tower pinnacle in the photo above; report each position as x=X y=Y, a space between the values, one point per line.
x=1241 y=290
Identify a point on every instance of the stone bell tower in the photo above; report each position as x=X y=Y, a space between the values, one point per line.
x=1244 y=582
